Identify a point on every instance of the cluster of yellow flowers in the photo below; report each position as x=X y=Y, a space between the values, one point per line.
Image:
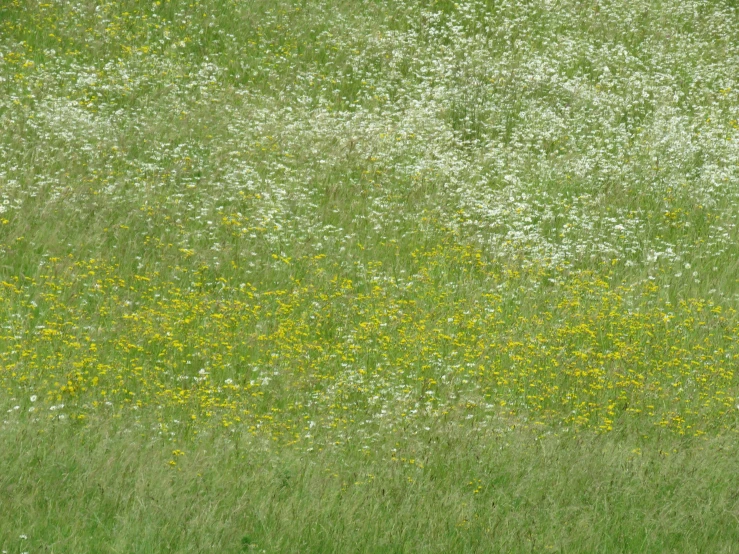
x=328 y=353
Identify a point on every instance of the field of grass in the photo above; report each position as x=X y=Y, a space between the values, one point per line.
x=369 y=276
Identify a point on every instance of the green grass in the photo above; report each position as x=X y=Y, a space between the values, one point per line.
x=107 y=488
x=368 y=276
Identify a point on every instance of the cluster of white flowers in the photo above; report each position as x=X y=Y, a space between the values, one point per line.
x=554 y=136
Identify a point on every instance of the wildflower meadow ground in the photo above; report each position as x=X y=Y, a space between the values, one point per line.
x=369 y=276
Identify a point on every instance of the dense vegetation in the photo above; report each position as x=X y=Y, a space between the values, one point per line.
x=291 y=276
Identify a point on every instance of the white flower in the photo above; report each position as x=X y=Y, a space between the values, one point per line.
x=34 y=398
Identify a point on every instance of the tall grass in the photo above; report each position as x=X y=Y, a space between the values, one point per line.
x=368 y=276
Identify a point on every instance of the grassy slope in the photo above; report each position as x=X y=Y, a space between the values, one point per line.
x=368 y=276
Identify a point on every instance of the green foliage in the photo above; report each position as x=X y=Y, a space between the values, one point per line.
x=368 y=276
x=457 y=488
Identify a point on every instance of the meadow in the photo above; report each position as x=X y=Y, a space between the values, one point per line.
x=369 y=276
